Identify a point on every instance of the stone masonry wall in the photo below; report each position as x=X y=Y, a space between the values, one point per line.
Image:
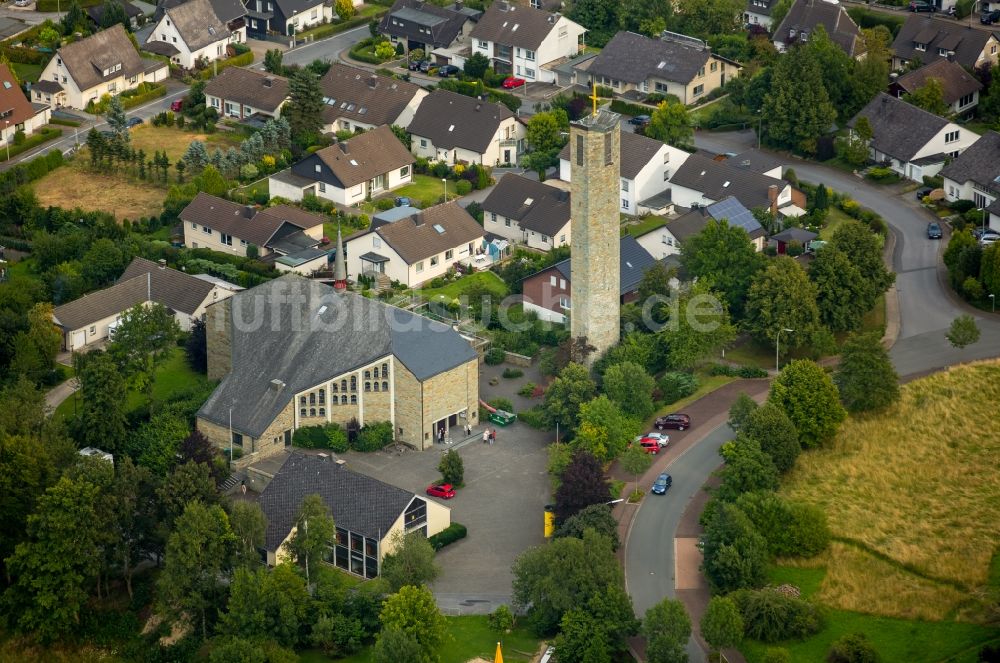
x=218 y=337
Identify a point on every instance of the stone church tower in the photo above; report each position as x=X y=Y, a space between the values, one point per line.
x=595 y=277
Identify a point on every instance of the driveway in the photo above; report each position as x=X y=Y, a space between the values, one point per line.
x=502 y=504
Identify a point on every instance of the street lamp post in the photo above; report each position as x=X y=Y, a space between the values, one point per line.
x=760 y=126
x=993 y=302
x=6 y=126
x=445 y=181
x=777 y=347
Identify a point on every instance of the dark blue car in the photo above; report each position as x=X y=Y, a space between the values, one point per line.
x=662 y=484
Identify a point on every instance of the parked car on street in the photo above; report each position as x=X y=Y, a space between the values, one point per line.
x=662 y=484
x=921 y=6
x=988 y=18
x=676 y=420
x=649 y=445
x=402 y=201
x=661 y=438
x=426 y=65
x=639 y=120
x=22 y=3
x=448 y=70
x=989 y=237
x=512 y=82
x=176 y=105
x=416 y=65
x=933 y=230
x=443 y=490
x=134 y=122
x=922 y=192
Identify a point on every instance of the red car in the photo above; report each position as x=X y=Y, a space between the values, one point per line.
x=512 y=82
x=442 y=490
x=649 y=445
x=678 y=421
x=176 y=105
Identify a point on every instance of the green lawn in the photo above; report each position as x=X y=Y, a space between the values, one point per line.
x=493 y=283
x=27 y=72
x=468 y=637
x=834 y=219
x=173 y=376
x=644 y=226
x=424 y=191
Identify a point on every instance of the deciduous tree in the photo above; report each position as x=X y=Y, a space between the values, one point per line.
x=841 y=291
x=269 y=604
x=604 y=431
x=776 y=434
x=701 y=18
x=273 y=61
x=671 y=124
x=413 y=611
x=631 y=389
x=864 y=249
x=699 y=326
x=452 y=468
x=865 y=377
x=102 y=422
x=722 y=624
x=476 y=65
x=142 y=341
x=797 y=110
x=963 y=331
x=582 y=483
x=929 y=96
x=411 y=562
x=314 y=529
x=667 y=628
x=723 y=255
x=740 y=411
x=782 y=297
x=747 y=469
x=249 y=524
x=808 y=396
x=735 y=553
x=566 y=394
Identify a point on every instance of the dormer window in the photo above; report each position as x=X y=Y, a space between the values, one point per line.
x=917 y=46
x=943 y=52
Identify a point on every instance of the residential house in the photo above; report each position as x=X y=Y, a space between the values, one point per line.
x=287 y=17
x=295 y=352
x=758 y=161
x=453 y=128
x=547 y=292
x=960 y=88
x=240 y=92
x=524 y=41
x=191 y=34
x=793 y=235
x=16 y=112
x=758 y=12
x=289 y=237
x=701 y=181
x=804 y=17
x=667 y=239
x=646 y=166
x=994 y=215
x=370 y=515
x=348 y=172
x=528 y=212
x=913 y=142
x=230 y=12
x=928 y=39
x=106 y=62
x=134 y=14
x=975 y=174
x=359 y=99
x=94 y=317
x=424 y=25
x=416 y=248
x=674 y=64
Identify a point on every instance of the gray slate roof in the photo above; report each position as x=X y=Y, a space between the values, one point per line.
x=251 y=87
x=956 y=82
x=453 y=120
x=87 y=59
x=357 y=502
x=635 y=260
x=899 y=129
x=755 y=160
x=513 y=24
x=105 y=303
x=635 y=58
x=303 y=333
x=795 y=234
x=363 y=157
x=809 y=14
x=717 y=180
x=979 y=163
x=967 y=42
x=257 y=227
x=176 y=290
x=407 y=17
x=197 y=24
x=360 y=95
x=635 y=152
x=546 y=213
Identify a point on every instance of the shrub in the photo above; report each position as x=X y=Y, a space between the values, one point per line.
x=853 y=648
x=676 y=385
x=310 y=437
x=463 y=187
x=791 y=529
x=382 y=204
x=770 y=616
x=451 y=534
x=336 y=438
x=528 y=390
x=512 y=373
x=494 y=356
x=452 y=468
x=962 y=206
x=972 y=288
x=777 y=655
x=373 y=436
x=535 y=417
x=935 y=182
x=878 y=226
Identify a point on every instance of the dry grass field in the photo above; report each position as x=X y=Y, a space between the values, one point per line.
x=175 y=141
x=72 y=186
x=918 y=485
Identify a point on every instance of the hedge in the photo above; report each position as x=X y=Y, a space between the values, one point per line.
x=356 y=51
x=212 y=69
x=16 y=243
x=625 y=108
x=61 y=5
x=451 y=534
x=65 y=123
x=34 y=140
x=23 y=173
x=867 y=18
x=373 y=436
x=738 y=371
x=153 y=91
x=328 y=436
x=329 y=29
x=23 y=55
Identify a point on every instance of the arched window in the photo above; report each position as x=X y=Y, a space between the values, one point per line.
x=302 y=400
x=333 y=387
x=375 y=386
x=385 y=386
x=354 y=399
x=302 y=412
x=312 y=412
x=322 y=396
x=343 y=385
x=354 y=383
x=368 y=375
x=322 y=412
x=368 y=386
x=385 y=370
x=343 y=400
x=312 y=399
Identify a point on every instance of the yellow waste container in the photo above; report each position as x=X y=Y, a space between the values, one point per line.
x=550 y=520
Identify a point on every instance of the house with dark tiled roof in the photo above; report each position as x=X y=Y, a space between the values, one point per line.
x=16 y=112
x=295 y=352
x=106 y=62
x=975 y=174
x=548 y=292
x=526 y=42
x=369 y=514
x=190 y=33
x=93 y=317
x=528 y=212
x=758 y=161
x=348 y=172
x=666 y=240
x=646 y=166
x=240 y=92
x=287 y=17
x=427 y=26
x=96 y=13
x=674 y=64
x=453 y=128
x=960 y=89
x=927 y=39
x=289 y=237
x=415 y=248
x=913 y=142
x=701 y=181
x=356 y=98
x=758 y=12
x=804 y=17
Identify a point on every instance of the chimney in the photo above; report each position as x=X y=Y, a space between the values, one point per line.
x=268 y=81
x=373 y=81
x=951 y=56
x=772 y=198
x=459 y=5
x=277 y=385
x=344 y=147
x=162 y=263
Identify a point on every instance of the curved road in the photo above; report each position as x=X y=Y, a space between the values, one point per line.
x=927 y=308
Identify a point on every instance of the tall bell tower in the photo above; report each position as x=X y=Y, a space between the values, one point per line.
x=595 y=152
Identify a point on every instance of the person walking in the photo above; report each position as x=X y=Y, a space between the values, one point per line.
x=486 y=436
x=493 y=436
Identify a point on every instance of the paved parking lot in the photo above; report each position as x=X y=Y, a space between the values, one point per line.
x=506 y=489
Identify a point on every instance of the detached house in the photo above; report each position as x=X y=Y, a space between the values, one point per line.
x=975 y=175
x=528 y=212
x=960 y=88
x=453 y=128
x=927 y=39
x=191 y=33
x=424 y=25
x=701 y=181
x=287 y=17
x=16 y=112
x=758 y=12
x=666 y=240
x=415 y=248
x=96 y=13
x=239 y=93
x=913 y=142
x=523 y=41
x=646 y=166
x=103 y=63
x=675 y=64
x=348 y=172
x=359 y=99
x=805 y=16
x=94 y=317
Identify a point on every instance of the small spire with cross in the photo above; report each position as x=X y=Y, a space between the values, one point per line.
x=594 y=98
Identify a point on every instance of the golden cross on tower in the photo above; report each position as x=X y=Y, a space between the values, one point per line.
x=594 y=98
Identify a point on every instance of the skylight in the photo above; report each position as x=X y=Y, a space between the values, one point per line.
x=353 y=162
x=628 y=264
x=726 y=184
x=514 y=29
x=6 y=85
x=211 y=30
x=528 y=201
x=451 y=128
x=439 y=228
x=661 y=65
